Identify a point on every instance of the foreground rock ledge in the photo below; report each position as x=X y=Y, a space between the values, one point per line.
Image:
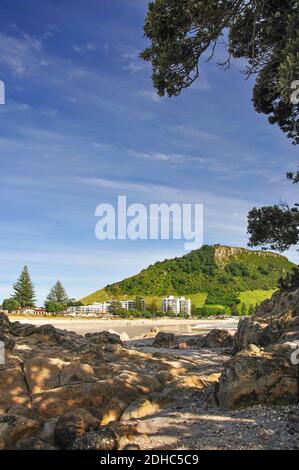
x=60 y=390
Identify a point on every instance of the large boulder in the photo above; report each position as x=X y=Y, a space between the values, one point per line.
x=13 y=388
x=76 y=372
x=164 y=340
x=140 y=408
x=42 y=373
x=103 y=439
x=276 y=320
x=217 y=339
x=255 y=376
x=73 y=425
x=57 y=401
x=14 y=428
x=104 y=338
x=262 y=370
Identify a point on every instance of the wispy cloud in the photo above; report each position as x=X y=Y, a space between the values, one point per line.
x=152 y=95
x=133 y=63
x=157 y=157
x=21 y=55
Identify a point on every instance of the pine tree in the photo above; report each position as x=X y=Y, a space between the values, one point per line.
x=58 y=294
x=24 y=291
x=243 y=310
x=251 y=310
x=234 y=310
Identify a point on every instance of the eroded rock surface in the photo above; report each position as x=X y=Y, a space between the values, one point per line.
x=68 y=391
x=262 y=370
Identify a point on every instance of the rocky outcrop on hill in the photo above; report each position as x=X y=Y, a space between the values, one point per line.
x=262 y=370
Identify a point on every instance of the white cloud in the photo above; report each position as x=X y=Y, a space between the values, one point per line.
x=157 y=156
x=21 y=55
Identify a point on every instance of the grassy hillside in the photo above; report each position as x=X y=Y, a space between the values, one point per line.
x=213 y=275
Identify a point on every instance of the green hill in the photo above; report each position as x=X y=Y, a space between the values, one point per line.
x=211 y=275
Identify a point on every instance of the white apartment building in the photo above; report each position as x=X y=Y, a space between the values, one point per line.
x=94 y=309
x=176 y=305
x=127 y=304
x=131 y=304
x=101 y=308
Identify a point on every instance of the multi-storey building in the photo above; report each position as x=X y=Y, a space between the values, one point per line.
x=176 y=305
x=94 y=309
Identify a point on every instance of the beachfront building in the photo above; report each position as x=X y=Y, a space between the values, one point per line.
x=30 y=311
x=98 y=308
x=177 y=305
x=133 y=304
x=91 y=310
x=127 y=304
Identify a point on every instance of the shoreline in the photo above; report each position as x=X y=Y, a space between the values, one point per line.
x=133 y=327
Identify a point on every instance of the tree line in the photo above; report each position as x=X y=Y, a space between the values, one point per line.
x=24 y=296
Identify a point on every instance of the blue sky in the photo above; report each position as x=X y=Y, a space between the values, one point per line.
x=82 y=125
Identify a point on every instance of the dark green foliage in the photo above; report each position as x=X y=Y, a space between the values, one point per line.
x=251 y=310
x=210 y=310
x=223 y=296
x=55 y=307
x=274 y=227
x=24 y=292
x=198 y=272
x=57 y=300
x=243 y=310
x=10 y=305
x=264 y=33
x=290 y=281
x=234 y=310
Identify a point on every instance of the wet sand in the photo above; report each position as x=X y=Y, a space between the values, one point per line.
x=133 y=328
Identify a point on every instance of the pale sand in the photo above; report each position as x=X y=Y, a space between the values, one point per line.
x=133 y=328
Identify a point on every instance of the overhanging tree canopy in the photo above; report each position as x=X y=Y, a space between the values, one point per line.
x=265 y=33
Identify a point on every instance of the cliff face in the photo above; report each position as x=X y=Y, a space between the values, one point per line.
x=265 y=367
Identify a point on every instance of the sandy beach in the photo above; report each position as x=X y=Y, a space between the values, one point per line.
x=133 y=328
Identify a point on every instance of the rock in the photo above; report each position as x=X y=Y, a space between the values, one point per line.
x=104 y=338
x=276 y=319
x=123 y=336
x=164 y=340
x=13 y=389
x=255 y=376
x=9 y=343
x=77 y=372
x=113 y=410
x=22 y=329
x=132 y=446
x=293 y=422
x=48 y=431
x=96 y=440
x=19 y=410
x=14 y=428
x=72 y=426
x=42 y=373
x=139 y=409
x=216 y=339
x=143 y=383
x=56 y=402
x=63 y=338
x=33 y=443
x=123 y=432
x=4 y=323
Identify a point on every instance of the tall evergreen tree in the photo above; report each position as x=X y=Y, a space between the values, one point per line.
x=24 y=291
x=58 y=294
